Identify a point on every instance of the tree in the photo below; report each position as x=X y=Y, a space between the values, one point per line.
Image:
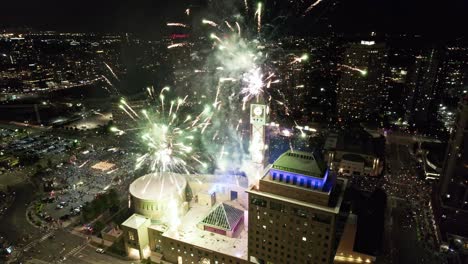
x=112 y=197
x=98 y=226
x=39 y=168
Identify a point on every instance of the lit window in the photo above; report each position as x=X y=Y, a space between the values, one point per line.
x=131 y=236
x=304 y=238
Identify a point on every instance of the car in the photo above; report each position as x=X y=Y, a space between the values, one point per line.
x=100 y=250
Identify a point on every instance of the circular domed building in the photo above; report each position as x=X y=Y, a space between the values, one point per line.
x=151 y=195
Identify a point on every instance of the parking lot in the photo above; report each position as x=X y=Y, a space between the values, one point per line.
x=38 y=144
x=87 y=174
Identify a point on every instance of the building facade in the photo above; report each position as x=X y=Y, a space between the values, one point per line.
x=288 y=217
x=451 y=201
x=422 y=88
x=354 y=152
x=361 y=89
x=293 y=211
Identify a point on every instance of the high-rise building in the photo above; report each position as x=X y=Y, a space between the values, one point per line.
x=422 y=89
x=453 y=75
x=454 y=183
x=361 y=89
x=293 y=211
x=451 y=203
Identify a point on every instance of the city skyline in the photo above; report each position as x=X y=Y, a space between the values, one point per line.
x=434 y=19
x=219 y=131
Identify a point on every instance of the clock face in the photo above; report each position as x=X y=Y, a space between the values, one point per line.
x=258 y=111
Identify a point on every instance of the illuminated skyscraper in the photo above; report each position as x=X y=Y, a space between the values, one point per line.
x=293 y=211
x=361 y=88
x=452 y=200
x=454 y=73
x=454 y=183
x=422 y=88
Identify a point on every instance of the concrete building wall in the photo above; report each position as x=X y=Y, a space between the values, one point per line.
x=182 y=253
x=369 y=168
x=281 y=232
x=136 y=240
x=155 y=239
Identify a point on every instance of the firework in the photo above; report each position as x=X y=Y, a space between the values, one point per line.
x=255 y=84
x=168 y=138
x=209 y=22
x=177 y=25
x=258 y=15
x=112 y=71
x=304 y=57
x=177 y=45
x=110 y=84
x=361 y=71
x=312 y=6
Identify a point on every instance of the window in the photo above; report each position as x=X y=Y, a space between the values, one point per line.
x=131 y=236
x=326 y=219
x=274 y=176
x=294 y=180
x=309 y=183
x=301 y=182
x=276 y=206
x=281 y=177
x=258 y=202
x=288 y=179
x=300 y=213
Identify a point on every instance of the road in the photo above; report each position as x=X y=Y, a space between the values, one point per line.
x=87 y=255
x=14 y=224
x=403 y=242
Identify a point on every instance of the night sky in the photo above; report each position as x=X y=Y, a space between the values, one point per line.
x=444 y=18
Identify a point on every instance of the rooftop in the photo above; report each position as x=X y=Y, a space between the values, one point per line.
x=188 y=232
x=224 y=217
x=355 y=140
x=156 y=187
x=345 y=251
x=301 y=162
x=353 y=157
x=336 y=197
x=135 y=221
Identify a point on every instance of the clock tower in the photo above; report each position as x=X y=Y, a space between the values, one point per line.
x=257 y=137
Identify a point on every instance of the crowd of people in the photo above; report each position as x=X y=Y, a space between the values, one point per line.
x=403 y=183
x=76 y=182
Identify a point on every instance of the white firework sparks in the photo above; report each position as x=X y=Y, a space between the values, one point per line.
x=258 y=15
x=112 y=71
x=312 y=6
x=296 y=59
x=363 y=72
x=209 y=22
x=169 y=139
x=177 y=25
x=177 y=45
